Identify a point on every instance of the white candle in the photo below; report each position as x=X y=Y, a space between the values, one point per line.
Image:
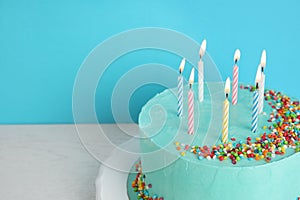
x=262 y=82
x=180 y=89
x=191 y=105
x=201 y=71
x=235 y=83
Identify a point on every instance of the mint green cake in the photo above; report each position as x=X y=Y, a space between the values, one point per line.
x=262 y=165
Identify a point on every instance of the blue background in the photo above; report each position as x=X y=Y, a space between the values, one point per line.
x=43 y=43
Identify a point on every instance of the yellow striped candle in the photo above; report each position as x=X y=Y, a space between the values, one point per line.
x=226 y=113
x=225 y=121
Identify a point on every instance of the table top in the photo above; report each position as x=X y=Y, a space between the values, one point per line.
x=49 y=162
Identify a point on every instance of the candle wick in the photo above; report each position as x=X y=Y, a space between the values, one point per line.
x=190 y=86
x=257 y=86
x=235 y=61
x=226 y=95
x=262 y=69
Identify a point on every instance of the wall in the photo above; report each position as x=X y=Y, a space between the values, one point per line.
x=43 y=43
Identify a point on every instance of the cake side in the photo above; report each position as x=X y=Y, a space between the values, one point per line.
x=162 y=128
x=177 y=177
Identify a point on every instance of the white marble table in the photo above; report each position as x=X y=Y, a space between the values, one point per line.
x=41 y=162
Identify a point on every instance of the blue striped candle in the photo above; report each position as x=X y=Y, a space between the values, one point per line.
x=254 y=112
x=261 y=93
x=180 y=96
x=255 y=101
x=180 y=89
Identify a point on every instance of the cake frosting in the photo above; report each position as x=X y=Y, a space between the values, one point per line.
x=262 y=165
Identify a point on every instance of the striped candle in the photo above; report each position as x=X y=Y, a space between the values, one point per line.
x=235 y=82
x=225 y=121
x=255 y=102
x=191 y=105
x=180 y=93
x=226 y=113
x=180 y=89
x=191 y=112
x=235 y=85
x=201 y=72
x=254 y=112
x=261 y=94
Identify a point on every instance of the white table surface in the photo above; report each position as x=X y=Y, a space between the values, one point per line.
x=41 y=162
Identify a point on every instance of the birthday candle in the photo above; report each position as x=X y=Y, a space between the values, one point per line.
x=191 y=105
x=235 y=83
x=201 y=71
x=226 y=113
x=255 y=102
x=180 y=89
x=262 y=83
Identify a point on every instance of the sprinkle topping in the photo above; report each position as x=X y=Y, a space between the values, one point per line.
x=284 y=127
x=140 y=187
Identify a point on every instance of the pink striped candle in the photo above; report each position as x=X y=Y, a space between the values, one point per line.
x=191 y=105
x=235 y=83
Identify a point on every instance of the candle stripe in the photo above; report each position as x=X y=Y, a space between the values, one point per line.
x=200 y=81
x=261 y=94
x=235 y=85
x=191 y=112
x=254 y=112
x=180 y=96
x=225 y=121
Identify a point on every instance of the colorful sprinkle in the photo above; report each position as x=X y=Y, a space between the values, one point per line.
x=284 y=133
x=140 y=187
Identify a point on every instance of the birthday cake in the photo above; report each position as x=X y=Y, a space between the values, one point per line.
x=250 y=155
x=261 y=165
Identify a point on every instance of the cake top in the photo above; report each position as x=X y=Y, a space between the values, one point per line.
x=276 y=138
